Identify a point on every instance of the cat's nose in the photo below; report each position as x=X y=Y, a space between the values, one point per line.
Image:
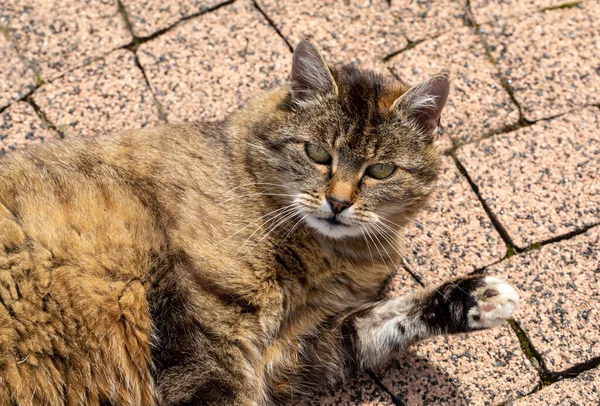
x=338 y=206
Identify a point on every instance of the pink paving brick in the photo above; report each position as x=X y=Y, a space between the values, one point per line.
x=583 y=390
x=210 y=65
x=360 y=391
x=16 y=78
x=150 y=16
x=560 y=298
x=422 y=19
x=477 y=104
x=347 y=32
x=488 y=10
x=61 y=35
x=550 y=58
x=20 y=127
x=541 y=181
x=483 y=368
x=453 y=235
x=105 y=96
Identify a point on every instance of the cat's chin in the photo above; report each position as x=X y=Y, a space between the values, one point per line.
x=332 y=230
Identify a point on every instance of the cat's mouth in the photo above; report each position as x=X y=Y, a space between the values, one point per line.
x=332 y=226
x=333 y=220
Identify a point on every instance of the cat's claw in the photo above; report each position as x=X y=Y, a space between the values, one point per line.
x=496 y=302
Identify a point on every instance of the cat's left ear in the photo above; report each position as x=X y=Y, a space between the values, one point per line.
x=424 y=102
x=311 y=78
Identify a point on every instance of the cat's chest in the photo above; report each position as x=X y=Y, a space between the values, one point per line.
x=310 y=277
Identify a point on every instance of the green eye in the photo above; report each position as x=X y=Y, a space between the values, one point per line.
x=380 y=171
x=318 y=154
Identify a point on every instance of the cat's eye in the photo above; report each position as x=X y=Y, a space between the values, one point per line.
x=318 y=154
x=381 y=171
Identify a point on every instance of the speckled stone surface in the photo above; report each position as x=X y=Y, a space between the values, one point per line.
x=425 y=19
x=541 y=181
x=477 y=104
x=488 y=10
x=483 y=368
x=20 y=127
x=359 y=391
x=16 y=78
x=149 y=16
x=208 y=66
x=453 y=235
x=559 y=286
x=105 y=96
x=60 y=35
x=583 y=390
x=551 y=58
x=347 y=32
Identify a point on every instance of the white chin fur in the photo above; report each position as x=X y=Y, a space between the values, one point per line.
x=331 y=230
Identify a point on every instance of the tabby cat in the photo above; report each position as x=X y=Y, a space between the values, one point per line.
x=226 y=263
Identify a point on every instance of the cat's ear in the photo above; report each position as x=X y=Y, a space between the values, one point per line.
x=311 y=78
x=424 y=102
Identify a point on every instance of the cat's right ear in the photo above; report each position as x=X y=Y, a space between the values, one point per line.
x=311 y=78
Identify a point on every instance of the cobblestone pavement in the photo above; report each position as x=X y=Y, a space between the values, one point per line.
x=520 y=191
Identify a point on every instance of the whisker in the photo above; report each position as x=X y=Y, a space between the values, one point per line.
x=282 y=213
x=254 y=194
x=260 y=218
x=272 y=228
x=421 y=276
x=292 y=230
x=379 y=252
x=368 y=246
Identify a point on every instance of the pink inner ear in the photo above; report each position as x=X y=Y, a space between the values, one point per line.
x=310 y=74
x=437 y=89
x=435 y=92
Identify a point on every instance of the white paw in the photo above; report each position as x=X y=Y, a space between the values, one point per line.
x=496 y=302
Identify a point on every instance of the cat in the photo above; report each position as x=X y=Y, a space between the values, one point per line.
x=226 y=263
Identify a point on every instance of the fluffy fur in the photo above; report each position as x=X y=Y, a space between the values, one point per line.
x=179 y=265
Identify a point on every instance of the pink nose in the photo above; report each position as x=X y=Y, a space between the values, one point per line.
x=337 y=206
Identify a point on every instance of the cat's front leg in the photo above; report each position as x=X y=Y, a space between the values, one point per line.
x=466 y=304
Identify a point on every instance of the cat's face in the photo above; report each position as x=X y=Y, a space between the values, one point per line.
x=350 y=176
x=356 y=154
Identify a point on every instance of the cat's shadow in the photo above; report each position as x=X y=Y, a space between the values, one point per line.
x=412 y=380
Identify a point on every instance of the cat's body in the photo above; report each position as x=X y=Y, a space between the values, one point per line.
x=133 y=270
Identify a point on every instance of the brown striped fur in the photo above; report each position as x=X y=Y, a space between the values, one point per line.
x=131 y=273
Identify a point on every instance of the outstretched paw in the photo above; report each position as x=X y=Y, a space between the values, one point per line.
x=496 y=301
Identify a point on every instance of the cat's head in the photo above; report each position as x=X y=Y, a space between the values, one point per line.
x=355 y=152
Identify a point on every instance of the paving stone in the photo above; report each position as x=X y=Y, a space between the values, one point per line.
x=428 y=18
x=582 y=390
x=482 y=368
x=488 y=10
x=20 y=126
x=541 y=181
x=16 y=78
x=477 y=104
x=150 y=16
x=560 y=298
x=453 y=235
x=550 y=58
x=60 y=35
x=105 y=96
x=360 y=391
x=209 y=66
x=347 y=32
